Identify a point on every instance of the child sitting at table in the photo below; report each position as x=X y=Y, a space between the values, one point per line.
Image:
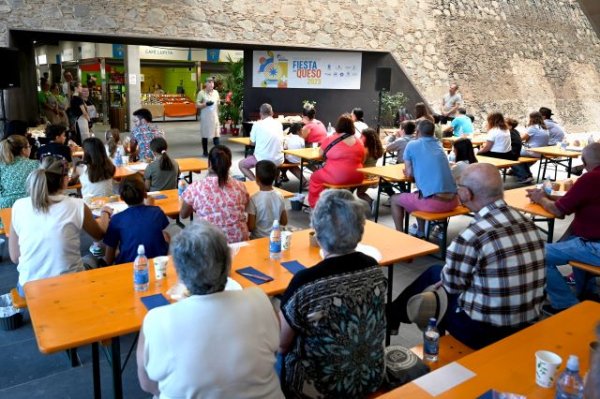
x=267 y=204
x=293 y=141
x=373 y=151
x=162 y=172
x=96 y=171
x=138 y=224
x=403 y=136
x=113 y=144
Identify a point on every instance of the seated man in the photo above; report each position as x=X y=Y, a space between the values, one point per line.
x=425 y=161
x=494 y=273
x=462 y=124
x=267 y=137
x=582 y=241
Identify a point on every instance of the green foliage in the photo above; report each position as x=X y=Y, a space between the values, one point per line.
x=390 y=103
x=233 y=81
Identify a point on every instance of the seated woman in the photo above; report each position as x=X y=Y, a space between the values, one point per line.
x=15 y=166
x=163 y=171
x=373 y=151
x=343 y=154
x=215 y=343
x=138 y=224
x=313 y=131
x=497 y=144
x=333 y=314
x=218 y=198
x=463 y=157
x=46 y=226
x=537 y=135
x=96 y=171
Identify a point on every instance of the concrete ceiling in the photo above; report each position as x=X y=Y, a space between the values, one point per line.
x=592 y=9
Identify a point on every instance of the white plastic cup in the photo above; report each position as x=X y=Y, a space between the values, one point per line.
x=286 y=240
x=315 y=145
x=546 y=365
x=125 y=159
x=160 y=267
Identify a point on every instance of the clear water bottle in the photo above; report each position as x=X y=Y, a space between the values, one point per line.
x=329 y=129
x=275 y=241
x=569 y=384
x=451 y=157
x=547 y=186
x=590 y=139
x=431 y=342
x=181 y=187
x=140 y=270
x=118 y=159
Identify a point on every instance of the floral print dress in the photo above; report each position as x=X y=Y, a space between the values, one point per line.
x=224 y=207
x=13 y=178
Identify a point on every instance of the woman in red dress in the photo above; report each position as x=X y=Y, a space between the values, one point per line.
x=343 y=154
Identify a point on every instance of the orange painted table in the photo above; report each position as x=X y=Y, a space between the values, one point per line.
x=556 y=155
x=476 y=139
x=189 y=165
x=390 y=174
x=509 y=364
x=517 y=198
x=309 y=155
x=6 y=216
x=88 y=307
x=245 y=141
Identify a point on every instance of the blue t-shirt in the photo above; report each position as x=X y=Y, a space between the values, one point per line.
x=430 y=166
x=462 y=125
x=140 y=224
x=556 y=132
x=538 y=137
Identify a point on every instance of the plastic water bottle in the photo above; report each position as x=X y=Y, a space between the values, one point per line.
x=118 y=159
x=569 y=384
x=275 y=241
x=547 y=186
x=451 y=157
x=140 y=270
x=590 y=139
x=431 y=342
x=181 y=187
x=329 y=129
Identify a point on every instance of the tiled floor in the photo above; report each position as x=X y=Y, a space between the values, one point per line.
x=26 y=373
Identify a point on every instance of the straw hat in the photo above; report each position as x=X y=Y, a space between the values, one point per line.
x=432 y=302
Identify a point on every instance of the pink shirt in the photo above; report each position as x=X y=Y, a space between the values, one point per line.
x=316 y=132
x=223 y=207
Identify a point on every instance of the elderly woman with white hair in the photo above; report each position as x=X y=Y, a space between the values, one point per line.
x=332 y=314
x=215 y=343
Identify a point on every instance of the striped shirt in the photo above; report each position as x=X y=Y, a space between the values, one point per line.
x=496 y=265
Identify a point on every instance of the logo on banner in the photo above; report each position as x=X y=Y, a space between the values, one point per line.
x=274 y=70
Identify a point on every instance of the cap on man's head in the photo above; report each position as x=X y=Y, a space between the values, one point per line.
x=546 y=112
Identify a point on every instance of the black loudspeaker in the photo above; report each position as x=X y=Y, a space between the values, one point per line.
x=383 y=79
x=9 y=68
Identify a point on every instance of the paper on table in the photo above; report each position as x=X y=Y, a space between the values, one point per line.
x=138 y=166
x=444 y=378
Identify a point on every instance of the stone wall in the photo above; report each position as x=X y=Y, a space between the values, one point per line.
x=511 y=55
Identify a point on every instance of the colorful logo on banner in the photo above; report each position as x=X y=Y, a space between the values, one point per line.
x=274 y=69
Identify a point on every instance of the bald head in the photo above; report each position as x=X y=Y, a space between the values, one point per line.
x=591 y=155
x=484 y=181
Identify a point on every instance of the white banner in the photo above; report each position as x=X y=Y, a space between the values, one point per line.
x=306 y=70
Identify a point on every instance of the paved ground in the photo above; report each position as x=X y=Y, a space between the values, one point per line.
x=26 y=373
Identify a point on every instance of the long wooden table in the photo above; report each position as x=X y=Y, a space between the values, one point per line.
x=390 y=174
x=186 y=165
x=245 y=141
x=89 y=307
x=517 y=198
x=556 y=155
x=509 y=365
x=476 y=139
x=306 y=155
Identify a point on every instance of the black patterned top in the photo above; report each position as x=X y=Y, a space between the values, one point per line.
x=337 y=309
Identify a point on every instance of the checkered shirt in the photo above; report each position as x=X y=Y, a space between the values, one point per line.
x=496 y=265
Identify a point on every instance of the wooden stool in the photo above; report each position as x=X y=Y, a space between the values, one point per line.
x=18 y=301
x=439 y=219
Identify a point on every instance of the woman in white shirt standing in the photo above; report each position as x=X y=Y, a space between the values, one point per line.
x=497 y=144
x=46 y=226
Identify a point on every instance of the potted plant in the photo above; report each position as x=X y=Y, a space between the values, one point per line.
x=390 y=105
x=233 y=83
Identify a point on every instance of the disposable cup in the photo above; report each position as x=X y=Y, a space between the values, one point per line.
x=286 y=240
x=546 y=365
x=313 y=239
x=125 y=159
x=160 y=267
x=315 y=145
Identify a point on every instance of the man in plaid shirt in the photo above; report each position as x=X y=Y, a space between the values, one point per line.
x=494 y=274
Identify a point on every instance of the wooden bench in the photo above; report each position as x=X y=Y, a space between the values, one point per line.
x=439 y=219
x=528 y=160
x=588 y=268
x=18 y=301
x=365 y=182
